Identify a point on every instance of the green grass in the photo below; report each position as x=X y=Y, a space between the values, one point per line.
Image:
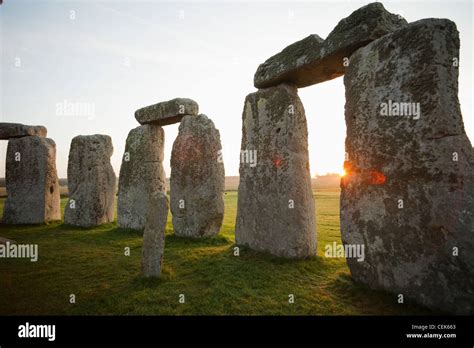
x=91 y=264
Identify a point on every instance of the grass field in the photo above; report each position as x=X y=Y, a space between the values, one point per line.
x=91 y=265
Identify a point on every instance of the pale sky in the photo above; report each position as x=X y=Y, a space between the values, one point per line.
x=118 y=56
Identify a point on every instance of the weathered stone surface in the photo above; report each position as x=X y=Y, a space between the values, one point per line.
x=197 y=179
x=313 y=60
x=275 y=203
x=168 y=112
x=154 y=235
x=406 y=198
x=31 y=181
x=91 y=181
x=18 y=130
x=141 y=174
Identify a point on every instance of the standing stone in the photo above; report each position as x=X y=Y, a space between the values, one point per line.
x=409 y=193
x=168 y=112
x=197 y=179
x=275 y=203
x=314 y=60
x=91 y=181
x=31 y=181
x=154 y=235
x=141 y=174
x=18 y=130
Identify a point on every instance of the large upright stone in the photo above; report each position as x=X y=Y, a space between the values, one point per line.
x=197 y=179
x=91 y=181
x=154 y=235
x=141 y=174
x=314 y=60
x=31 y=181
x=275 y=210
x=18 y=130
x=409 y=193
x=168 y=112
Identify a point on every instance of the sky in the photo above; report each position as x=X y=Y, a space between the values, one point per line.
x=110 y=58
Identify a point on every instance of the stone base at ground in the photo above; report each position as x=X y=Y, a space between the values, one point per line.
x=275 y=210
x=31 y=181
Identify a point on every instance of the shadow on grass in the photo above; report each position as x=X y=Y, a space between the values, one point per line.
x=141 y=282
x=218 y=240
x=29 y=228
x=120 y=232
x=252 y=255
x=344 y=286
